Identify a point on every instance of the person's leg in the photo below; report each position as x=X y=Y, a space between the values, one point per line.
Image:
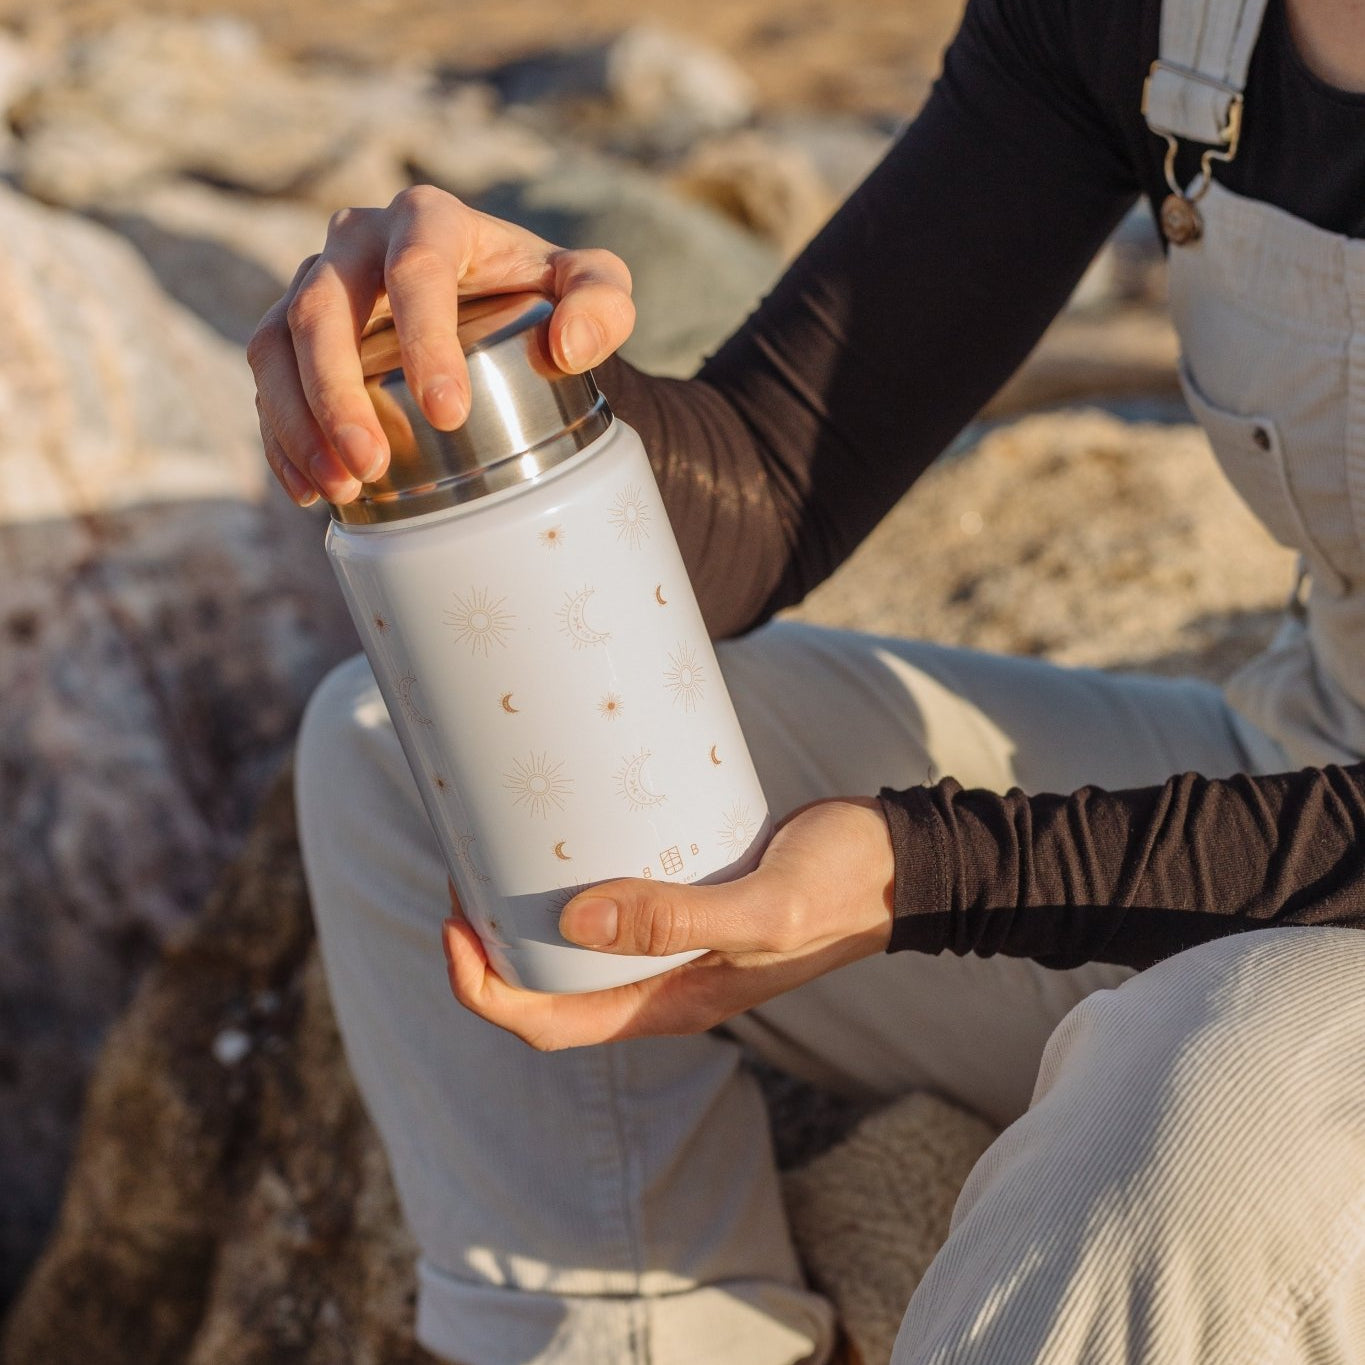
x=616 y=1203
x=1188 y=1186
x=619 y=1203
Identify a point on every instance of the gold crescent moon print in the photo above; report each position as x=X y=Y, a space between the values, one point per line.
x=505 y=701
x=714 y=757
x=406 y=686
x=573 y=620
x=631 y=785
x=560 y=854
x=659 y=595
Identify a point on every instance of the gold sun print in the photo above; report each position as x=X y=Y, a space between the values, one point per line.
x=684 y=678
x=630 y=515
x=552 y=537
x=737 y=829
x=537 y=784
x=479 y=621
x=559 y=899
x=611 y=706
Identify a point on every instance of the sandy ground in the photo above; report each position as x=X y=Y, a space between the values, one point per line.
x=873 y=56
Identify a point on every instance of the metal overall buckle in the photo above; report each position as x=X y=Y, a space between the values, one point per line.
x=1180 y=218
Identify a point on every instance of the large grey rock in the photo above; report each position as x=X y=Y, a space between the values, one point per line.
x=670 y=90
x=226 y=256
x=152 y=95
x=696 y=274
x=164 y=616
x=649 y=90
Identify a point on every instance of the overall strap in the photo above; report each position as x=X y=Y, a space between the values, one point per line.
x=1194 y=89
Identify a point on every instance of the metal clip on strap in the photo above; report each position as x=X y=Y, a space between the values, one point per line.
x=1172 y=83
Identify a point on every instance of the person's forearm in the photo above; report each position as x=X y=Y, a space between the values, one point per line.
x=1128 y=877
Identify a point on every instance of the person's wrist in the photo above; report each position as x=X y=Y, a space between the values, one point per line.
x=872 y=870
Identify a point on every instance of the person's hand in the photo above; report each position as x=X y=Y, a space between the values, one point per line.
x=415 y=259
x=820 y=898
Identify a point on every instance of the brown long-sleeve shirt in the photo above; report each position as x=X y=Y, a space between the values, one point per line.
x=918 y=300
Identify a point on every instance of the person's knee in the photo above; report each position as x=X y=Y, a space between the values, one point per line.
x=1223 y=1074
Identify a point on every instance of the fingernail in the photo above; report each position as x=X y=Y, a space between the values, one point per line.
x=343 y=489
x=591 y=922
x=359 y=451
x=299 y=488
x=443 y=401
x=581 y=344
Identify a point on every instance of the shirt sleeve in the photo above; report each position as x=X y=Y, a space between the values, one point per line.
x=1128 y=876
x=914 y=304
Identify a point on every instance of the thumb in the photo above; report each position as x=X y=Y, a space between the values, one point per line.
x=756 y=913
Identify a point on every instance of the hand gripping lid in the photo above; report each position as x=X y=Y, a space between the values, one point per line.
x=525 y=415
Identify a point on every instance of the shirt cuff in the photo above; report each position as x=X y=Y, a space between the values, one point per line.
x=922 y=894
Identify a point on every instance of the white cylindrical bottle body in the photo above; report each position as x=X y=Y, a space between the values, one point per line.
x=550 y=678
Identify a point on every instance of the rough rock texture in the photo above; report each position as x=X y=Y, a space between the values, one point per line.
x=151 y=99
x=1078 y=537
x=162 y=620
x=229 y=1202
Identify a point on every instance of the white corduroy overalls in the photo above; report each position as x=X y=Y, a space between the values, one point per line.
x=1183 y=1178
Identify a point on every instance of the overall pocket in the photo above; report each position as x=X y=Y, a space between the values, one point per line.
x=1249 y=449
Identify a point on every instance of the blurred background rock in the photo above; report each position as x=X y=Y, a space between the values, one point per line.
x=164 y=612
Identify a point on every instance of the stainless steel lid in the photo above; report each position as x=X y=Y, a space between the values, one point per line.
x=525 y=415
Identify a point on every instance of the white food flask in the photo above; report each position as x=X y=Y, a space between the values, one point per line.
x=520 y=595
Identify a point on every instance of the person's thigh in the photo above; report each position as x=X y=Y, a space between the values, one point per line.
x=831 y=713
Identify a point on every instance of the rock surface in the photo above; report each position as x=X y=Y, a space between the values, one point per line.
x=163 y=621
x=229 y=1202
x=1077 y=537
x=695 y=273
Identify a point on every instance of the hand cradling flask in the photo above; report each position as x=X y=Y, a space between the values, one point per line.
x=520 y=595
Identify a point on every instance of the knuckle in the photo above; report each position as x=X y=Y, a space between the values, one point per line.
x=306 y=309
x=417 y=200
x=414 y=263
x=265 y=340
x=340 y=221
x=789 y=928
x=658 y=929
